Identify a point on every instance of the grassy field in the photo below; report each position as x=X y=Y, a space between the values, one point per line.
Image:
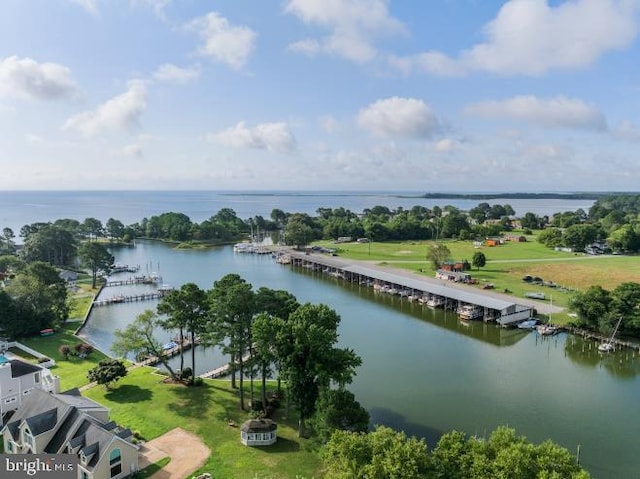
x=142 y=402
x=72 y=371
x=507 y=264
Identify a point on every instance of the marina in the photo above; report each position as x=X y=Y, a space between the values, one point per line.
x=469 y=303
x=439 y=373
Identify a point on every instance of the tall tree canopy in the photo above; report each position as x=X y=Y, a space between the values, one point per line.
x=96 y=258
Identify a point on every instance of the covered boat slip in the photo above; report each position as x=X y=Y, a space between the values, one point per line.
x=497 y=307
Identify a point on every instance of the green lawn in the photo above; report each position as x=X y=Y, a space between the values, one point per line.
x=507 y=264
x=143 y=403
x=72 y=371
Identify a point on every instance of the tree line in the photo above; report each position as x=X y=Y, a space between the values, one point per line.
x=263 y=332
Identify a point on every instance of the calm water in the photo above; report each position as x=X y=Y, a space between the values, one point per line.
x=18 y=208
x=425 y=372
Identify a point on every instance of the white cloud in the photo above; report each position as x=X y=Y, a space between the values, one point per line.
x=120 y=112
x=555 y=112
x=353 y=26
x=24 y=77
x=132 y=151
x=329 y=124
x=627 y=130
x=265 y=136
x=446 y=145
x=224 y=42
x=91 y=6
x=530 y=37
x=408 y=117
x=174 y=74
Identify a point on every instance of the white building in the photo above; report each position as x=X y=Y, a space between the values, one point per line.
x=18 y=379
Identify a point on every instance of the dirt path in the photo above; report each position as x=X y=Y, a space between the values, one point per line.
x=187 y=451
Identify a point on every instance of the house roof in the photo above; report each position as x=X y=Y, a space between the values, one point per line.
x=43 y=422
x=258 y=425
x=20 y=368
x=75 y=427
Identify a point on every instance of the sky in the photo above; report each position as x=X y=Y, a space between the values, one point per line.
x=431 y=95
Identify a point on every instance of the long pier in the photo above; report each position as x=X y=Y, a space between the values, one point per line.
x=222 y=370
x=492 y=306
x=169 y=353
x=132 y=281
x=128 y=298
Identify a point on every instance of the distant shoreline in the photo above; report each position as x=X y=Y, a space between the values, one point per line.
x=533 y=196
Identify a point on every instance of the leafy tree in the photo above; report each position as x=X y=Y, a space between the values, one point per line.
x=52 y=244
x=231 y=303
x=107 y=372
x=64 y=351
x=297 y=233
x=625 y=302
x=39 y=297
x=531 y=221
x=96 y=257
x=380 y=454
x=578 y=236
x=550 y=237
x=186 y=308
x=92 y=227
x=503 y=455
x=479 y=260
x=591 y=306
x=625 y=238
x=7 y=245
x=138 y=339
x=115 y=228
x=437 y=254
x=338 y=409
x=310 y=360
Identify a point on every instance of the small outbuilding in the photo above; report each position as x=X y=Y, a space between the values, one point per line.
x=258 y=432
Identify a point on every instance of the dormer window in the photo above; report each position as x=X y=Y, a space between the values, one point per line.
x=27 y=438
x=36 y=377
x=83 y=458
x=115 y=462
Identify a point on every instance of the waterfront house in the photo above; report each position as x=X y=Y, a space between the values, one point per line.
x=18 y=380
x=258 y=432
x=68 y=423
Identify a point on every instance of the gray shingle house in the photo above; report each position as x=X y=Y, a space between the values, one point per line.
x=68 y=423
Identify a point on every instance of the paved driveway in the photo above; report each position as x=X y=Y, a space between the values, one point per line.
x=187 y=451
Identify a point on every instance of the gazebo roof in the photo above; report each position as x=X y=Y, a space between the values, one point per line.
x=258 y=425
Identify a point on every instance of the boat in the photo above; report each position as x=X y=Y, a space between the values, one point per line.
x=608 y=346
x=170 y=345
x=470 y=311
x=534 y=295
x=546 y=330
x=528 y=324
x=434 y=302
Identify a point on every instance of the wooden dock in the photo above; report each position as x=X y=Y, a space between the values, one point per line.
x=133 y=281
x=222 y=370
x=128 y=298
x=168 y=353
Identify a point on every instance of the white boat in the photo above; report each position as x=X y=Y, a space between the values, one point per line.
x=470 y=311
x=434 y=302
x=546 y=330
x=528 y=324
x=608 y=346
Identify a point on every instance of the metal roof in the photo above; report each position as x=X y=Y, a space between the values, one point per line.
x=409 y=280
x=448 y=291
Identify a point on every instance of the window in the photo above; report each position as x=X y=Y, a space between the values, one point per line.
x=115 y=461
x=83 y=474
x=27 y=438
x=27 y=391
x=9 y=445
x=10 y=400
x=36 y=377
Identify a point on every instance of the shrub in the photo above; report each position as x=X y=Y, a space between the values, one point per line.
x=186 y=373
x=64 y=351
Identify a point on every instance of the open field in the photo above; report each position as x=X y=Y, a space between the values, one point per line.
x=72 y=371
x=507 y=264
x=145 y=404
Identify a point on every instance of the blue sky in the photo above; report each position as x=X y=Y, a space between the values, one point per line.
x=437 y=95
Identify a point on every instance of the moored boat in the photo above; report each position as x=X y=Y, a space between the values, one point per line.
x=528 y=324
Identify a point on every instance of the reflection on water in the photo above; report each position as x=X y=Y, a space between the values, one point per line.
x=622 y=363
x=425 y=371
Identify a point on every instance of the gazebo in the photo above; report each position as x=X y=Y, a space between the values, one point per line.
x=258 y=432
